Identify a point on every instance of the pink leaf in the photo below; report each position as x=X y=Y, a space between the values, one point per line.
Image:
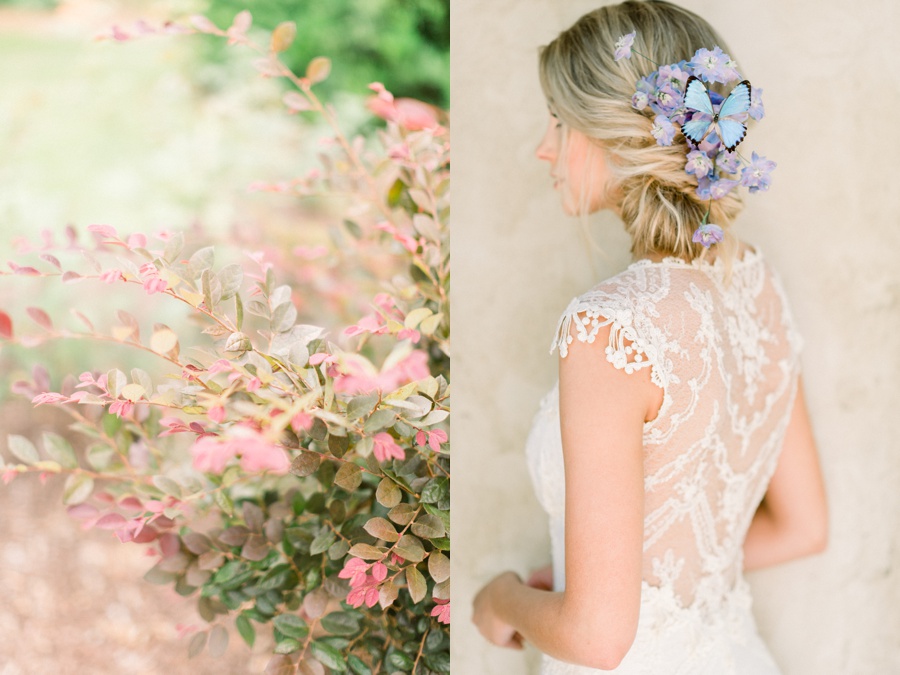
x=71 y=277
x=296 y=102
x=241 y=23
x=104 y=231
x=6 y=330
x=111 y=521
x=23 y=270
x=137 y=241
x=52 y=259
x=40 y=317
x=204 y=25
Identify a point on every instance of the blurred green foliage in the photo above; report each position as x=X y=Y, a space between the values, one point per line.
x=405 y=44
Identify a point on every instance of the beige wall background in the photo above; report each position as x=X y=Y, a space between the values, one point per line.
x=830 y=72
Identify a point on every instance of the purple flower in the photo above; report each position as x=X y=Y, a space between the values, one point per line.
x=698 y=163
x=666 y=100
x=662 y=130
x=757 y=110
x=673 y=75
x=623 y=46
x=721 y=187
x=708 y=235
x=713 y=66
x=639 y=100
x=728 y=162
x=756 y=175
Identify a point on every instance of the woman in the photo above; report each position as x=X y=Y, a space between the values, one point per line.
x=675 y=450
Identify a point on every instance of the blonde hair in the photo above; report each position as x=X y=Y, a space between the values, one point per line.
x=591 y=92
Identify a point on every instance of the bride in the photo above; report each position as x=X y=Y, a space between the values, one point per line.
x=675 y=451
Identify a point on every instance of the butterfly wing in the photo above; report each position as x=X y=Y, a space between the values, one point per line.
x=738 y=101
x=696 y=129
x=732 y=132
x=696 y=97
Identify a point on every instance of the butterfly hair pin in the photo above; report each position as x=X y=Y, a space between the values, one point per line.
x=678 y=97
x=723 y=121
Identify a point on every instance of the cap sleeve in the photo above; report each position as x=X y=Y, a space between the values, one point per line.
x=629 y=348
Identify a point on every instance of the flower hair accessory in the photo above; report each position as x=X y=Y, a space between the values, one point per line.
x=713 y=126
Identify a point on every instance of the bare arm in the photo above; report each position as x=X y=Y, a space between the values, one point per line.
x=594 y=621
x=792 y=520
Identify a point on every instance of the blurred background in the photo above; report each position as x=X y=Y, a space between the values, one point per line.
x=158 y=134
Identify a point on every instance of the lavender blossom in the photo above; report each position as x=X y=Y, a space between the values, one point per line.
x=662 y=130
x=698 y=163
x=756 y=175
x=708 y=234
x=623 y=46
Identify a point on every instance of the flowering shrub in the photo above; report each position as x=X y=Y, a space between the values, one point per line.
x=286 y=480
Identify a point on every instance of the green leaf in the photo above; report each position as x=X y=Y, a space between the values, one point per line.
x=438 y=566
x=387 y=493
x=99 y=456
x=23 y=449
x=305 y=463
x=380 y=419
x=291 y=625
x=428 y=527
x=173 y=247
x=322 y=542
x=287 y=646
x=366 y=552
x=418 y=587
x=230 y=277
x=436 y=489
x=341 y=623
x=328 y=655
x=167 y=485
x=78 y=487
x=60 y=450
x=402 y=513
x=349 y=476
x=381 y=529
x=218 y=641
x=410 y=548
x=198 y=642
x=401 y=661
x=246 y=629
x=238 y=311
x=224 y=502
x=358 y=666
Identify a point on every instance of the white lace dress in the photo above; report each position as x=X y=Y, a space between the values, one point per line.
x=727 y=359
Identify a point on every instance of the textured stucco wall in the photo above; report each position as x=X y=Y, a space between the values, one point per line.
x=831 y=75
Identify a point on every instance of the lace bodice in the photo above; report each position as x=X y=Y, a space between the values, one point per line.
x=727 y=359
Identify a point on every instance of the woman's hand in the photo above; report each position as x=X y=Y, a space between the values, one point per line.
x=484 y=614
x=542 y=578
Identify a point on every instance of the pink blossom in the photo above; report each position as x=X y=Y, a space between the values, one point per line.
x=408 y=242
x=217 y=414
x=356 y=379
x=384 y=301
x=49 y=397
x=155 y=286
x=368 y=324
x=442 y=611
x=321 y=357
x=385 y=447
x=355 y=569
x=137 y=241
x=367 y=594
x=379 y=571
x=411 y=333
x=211 y=455
x=8 y=474
x=121 y=408
x=301 y=421
x=407 y=112
x=435 y=438
x=254 y=384
x=259 y=454
x=111 y=276
x=220 y=366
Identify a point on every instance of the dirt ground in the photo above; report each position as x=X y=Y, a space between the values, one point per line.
x=74 y=602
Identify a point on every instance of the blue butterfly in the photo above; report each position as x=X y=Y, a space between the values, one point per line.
x=705 y=118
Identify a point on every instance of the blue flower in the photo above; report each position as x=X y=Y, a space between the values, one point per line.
x=639 y=100
x=757 y=110
x=721 y=187
x=728 y=162
x=698 y=163
x=708 y=235
x=713 y=66
x=662 y=130
x=623 y=46
x=756 y=175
